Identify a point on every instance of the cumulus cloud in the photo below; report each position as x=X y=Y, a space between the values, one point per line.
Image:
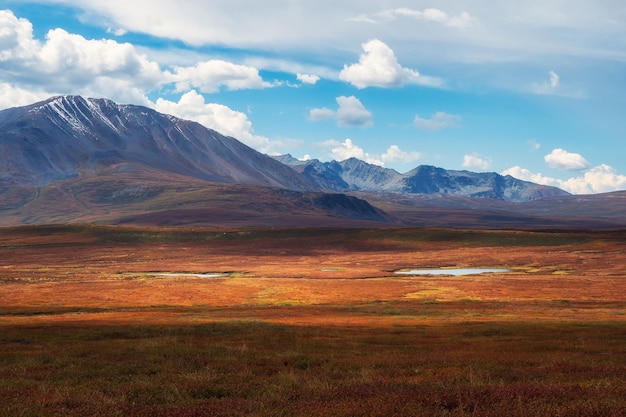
x=600 y=179
x=307 y=78
x=348 y=149
x=210 y=76
x=72 y=64
x=16 y=38
x=439 y=120
x=351 y=113
x=340 y=151
x=396 y=155
x=73 y=57
x=561 y=159
x=12 y=96
x=379 y=67
x=475 y=161
x=321 y=114
x=223 y=119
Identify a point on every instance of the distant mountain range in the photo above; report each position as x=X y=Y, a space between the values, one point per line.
x=356 y=175
x=71 y=159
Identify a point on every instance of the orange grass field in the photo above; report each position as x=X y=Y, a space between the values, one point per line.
x=310 y=322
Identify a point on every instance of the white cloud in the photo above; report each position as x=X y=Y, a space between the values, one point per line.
x=117 y=32
x=533 y=144
x=554 y=79
x=223 y=119
x=351 y=113
x=73 y=58
x=461 y=21
x=72 y=64
x=321 y=114
x=11 y=96
x=308 y=78
x=16 y=38
x=440 y=120
x=561 y=159
x=495 y=30
x=210 y=76
x=600 y=179
x=549 y=86
x=396 y=155
x=379 y=67
x=343 y=150
x=348 y=149
x=526 y=175
x=475 y=161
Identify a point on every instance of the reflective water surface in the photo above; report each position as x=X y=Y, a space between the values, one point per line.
x=187 y=274
x=452 y=271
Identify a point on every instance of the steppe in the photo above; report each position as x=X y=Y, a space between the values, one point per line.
x=310 y=321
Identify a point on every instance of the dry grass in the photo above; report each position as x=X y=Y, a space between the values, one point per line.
x=310 y=321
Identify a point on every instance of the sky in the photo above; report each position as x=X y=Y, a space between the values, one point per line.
x=533 y=89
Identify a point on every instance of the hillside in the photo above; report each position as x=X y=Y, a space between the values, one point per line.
x=66 y=136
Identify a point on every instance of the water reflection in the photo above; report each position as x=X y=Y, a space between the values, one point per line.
x=452 y=271
x=187 y=274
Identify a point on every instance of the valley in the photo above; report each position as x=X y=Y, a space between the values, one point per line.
x=310 y=319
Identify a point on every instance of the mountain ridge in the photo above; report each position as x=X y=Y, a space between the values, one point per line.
x=57 y=138
x=355 y=175
x=74 y=160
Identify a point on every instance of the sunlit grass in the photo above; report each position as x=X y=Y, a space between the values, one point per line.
x=313 y=322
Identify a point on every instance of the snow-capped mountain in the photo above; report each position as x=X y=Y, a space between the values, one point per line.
x=63 y=136
x=356 y=175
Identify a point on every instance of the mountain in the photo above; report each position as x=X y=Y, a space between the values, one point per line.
x=65 y=136
x=71 y=159
x=356 y=175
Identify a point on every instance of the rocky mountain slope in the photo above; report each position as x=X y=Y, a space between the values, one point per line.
x=356 y=175
x=72 y=159
x=63 y=136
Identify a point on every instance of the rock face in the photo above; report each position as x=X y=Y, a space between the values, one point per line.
x=63 y=136
x=356 y=175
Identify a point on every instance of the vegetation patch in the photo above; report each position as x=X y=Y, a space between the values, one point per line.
x=85 y=331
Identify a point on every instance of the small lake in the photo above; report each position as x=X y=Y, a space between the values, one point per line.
x=452 y=271
x=187 y=274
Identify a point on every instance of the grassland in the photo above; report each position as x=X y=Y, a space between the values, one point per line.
x=310 y=322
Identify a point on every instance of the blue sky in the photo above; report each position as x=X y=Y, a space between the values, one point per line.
x=534 y=89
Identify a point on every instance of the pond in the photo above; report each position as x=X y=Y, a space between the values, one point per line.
x=187 y=274
x=451 y=271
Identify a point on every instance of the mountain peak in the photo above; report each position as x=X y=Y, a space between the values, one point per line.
x=356 y=175
x=62 y=136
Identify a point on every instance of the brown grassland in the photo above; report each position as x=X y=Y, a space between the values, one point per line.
x=310 y=322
